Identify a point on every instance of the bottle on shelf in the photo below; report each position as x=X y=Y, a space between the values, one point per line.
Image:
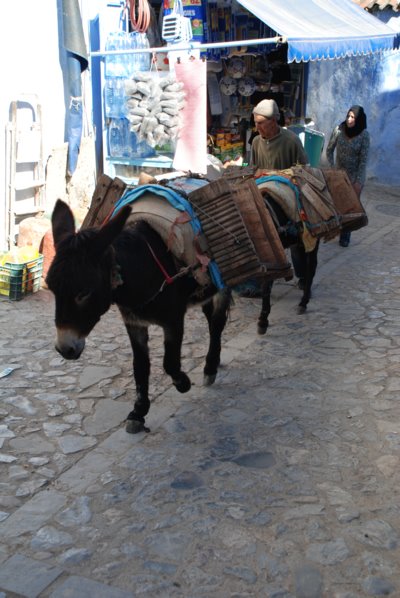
x=139 y=61
x=122 y=142
x=117 y=137
x=133 y=58
x=144 y=57
x=144 y=150
x=138 y=149
x=116 y=70
x=116 y=65
x=114 y=97
x=131 y=143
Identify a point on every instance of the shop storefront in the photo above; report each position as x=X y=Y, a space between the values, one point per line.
x=208 y=64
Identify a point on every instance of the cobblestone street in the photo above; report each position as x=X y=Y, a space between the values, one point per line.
x=279 y=481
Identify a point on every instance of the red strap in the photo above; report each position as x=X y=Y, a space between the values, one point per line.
x=202 y=258
x=183 y=218
x=168 y=278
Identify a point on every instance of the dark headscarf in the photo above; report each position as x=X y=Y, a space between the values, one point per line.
x=360 y=124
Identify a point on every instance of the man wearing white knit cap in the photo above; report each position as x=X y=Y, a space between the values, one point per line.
x=274 y=148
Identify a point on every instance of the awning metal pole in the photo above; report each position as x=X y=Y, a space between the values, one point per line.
x=196 y=46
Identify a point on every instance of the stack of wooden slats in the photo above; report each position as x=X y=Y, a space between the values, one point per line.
x=240 y=233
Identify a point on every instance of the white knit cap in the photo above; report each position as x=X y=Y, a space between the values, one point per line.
x=267 y=108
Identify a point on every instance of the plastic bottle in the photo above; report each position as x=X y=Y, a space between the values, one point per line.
x=132 y=143
x=133 y=58
x=138 y=61
x=144 y=150
x=119 y=141
x=126 y=140
x=114 y=97
x=116 y=71
x=116 y=64
x=145 y=57
x=124 y=59
x=110 y=69
x=115 y=138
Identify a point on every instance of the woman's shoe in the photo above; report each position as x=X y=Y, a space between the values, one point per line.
x=344 y=243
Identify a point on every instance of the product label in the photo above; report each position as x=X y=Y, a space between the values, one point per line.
x=194 y=10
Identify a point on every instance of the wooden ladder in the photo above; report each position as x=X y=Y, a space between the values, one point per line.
x=25 y=171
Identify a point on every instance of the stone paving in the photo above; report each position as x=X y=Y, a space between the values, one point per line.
x=280 y=481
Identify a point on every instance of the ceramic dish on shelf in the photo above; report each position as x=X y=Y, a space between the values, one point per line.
x=228 y=85
x=236 y=68
x=246 y=86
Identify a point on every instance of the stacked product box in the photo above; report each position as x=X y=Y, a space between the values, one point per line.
x=228 y=145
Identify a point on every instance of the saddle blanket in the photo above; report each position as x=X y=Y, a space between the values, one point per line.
x=303 y=195
x=322 y=199
x=174 y=219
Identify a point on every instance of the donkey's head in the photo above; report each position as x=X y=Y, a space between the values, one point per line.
x=81 y=276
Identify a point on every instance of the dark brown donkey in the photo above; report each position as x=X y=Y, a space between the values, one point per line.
x=128 y=266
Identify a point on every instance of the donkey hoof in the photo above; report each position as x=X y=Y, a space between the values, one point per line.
x=301 y=309
x=209 y=379
x=134 y=427
x=183 y=384
x=262 y=329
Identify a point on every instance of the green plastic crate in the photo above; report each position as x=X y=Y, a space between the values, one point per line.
x=19 y=280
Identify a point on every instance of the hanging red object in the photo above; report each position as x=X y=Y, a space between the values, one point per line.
x=139 y=15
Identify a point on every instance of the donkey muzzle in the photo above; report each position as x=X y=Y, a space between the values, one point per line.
x=69 y=344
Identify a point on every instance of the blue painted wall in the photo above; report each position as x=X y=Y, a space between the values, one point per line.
x=374 y=83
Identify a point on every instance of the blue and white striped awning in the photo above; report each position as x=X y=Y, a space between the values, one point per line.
x=323 y=29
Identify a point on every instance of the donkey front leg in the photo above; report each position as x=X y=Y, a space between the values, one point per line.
x=139 y=337
x=311 y=262
x=262 y=324
x=216 y=311
x=173 y=337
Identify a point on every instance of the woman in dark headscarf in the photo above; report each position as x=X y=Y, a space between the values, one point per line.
x=351 y=141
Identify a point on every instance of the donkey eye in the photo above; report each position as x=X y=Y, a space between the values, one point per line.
x=82 y=298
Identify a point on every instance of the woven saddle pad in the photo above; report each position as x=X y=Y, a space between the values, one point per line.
x=174 y=228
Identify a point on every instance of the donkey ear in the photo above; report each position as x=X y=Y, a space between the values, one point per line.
x=62 y=221
x=109 y=231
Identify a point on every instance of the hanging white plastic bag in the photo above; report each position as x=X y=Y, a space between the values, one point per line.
x=152 y=119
